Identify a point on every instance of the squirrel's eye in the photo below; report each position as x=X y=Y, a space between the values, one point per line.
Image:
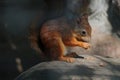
x=83 y=33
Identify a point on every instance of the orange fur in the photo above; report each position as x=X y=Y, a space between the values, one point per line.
x=58 y=33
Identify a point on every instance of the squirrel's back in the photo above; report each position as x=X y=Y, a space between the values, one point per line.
x=61 y=27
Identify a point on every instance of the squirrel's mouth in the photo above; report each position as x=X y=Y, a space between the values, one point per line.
x=84 y=39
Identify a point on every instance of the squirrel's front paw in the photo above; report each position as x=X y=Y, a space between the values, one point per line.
x=86 y=45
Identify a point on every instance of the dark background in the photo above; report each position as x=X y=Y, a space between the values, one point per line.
x=15 y=19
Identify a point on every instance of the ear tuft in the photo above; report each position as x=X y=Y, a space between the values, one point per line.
x=78 y=20
x=84 y=16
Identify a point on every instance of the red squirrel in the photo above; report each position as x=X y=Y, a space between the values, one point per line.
x=58 y=33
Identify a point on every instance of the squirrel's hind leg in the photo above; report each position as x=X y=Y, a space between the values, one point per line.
x=57 y=50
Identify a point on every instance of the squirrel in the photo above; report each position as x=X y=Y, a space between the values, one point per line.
x=56 y=34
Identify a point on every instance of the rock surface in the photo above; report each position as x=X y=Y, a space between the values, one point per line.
x=89 y=68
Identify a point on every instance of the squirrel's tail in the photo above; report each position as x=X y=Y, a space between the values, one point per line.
x=34 y=36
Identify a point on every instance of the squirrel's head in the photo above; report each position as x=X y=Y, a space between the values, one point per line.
x=82 y=30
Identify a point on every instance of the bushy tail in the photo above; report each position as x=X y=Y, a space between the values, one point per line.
x=34 y=34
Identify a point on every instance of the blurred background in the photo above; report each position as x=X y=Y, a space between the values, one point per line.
x=16 y=16
x=16 y=54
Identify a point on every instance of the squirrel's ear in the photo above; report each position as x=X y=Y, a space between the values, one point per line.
x=78 y=20
x=85 y=16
